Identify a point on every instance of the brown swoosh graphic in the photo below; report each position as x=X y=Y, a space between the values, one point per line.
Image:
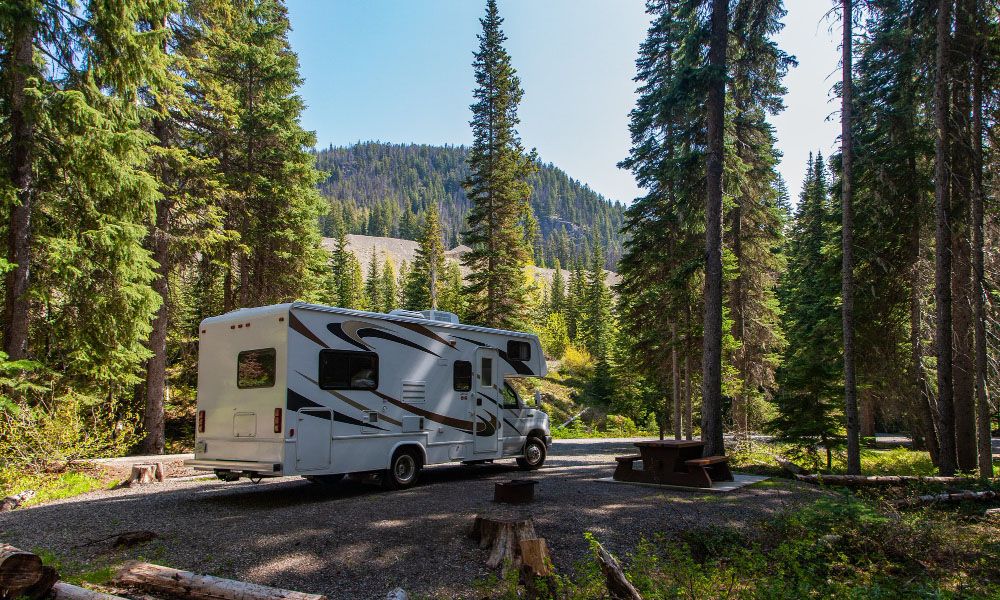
x=347 y=400
x=425 y=332
x=465 y=426
x=300 y=327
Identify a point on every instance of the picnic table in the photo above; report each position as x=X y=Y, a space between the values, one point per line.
x=673 y=462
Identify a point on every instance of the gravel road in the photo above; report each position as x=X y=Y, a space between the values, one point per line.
x=352 y=540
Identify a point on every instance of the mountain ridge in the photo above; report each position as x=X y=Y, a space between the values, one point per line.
x=382 y=189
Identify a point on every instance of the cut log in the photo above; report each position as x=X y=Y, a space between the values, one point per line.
x=43 y=586
x=143 y=474
x=19 y=570
x=619 y=586
x=184 y=584
x=503 y=537
x=65 y=591
x=946 y=497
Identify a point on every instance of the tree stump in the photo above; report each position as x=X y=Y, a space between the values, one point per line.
x=143 y=474
x=19 y=571
x=619 y=586
x=43 y=586
x=503 y=537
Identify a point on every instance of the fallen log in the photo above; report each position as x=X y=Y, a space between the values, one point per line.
x=503 y=537
x=184 y=584
x=788 y=465
x=946 y=497
x=19 y=570
x=65 y=591
x=874 y=480
x=619 y=586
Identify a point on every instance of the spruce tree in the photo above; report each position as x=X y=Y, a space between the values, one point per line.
x=809 y=408
x=426 y=278
x=373 y=284
x=500 y=220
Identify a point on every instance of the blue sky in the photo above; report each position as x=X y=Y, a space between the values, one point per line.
x=400 y=71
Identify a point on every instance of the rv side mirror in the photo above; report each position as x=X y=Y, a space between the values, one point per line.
x=538 y=399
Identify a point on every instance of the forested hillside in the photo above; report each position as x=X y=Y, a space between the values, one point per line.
x=384 y=189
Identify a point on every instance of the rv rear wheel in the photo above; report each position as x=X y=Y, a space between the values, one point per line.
x=534 y=455
x=403 y=471
x=324 y=479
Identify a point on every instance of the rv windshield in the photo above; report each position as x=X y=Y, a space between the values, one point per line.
x=511 y=399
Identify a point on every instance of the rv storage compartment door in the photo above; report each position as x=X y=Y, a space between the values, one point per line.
x=245 y=425
x=314 y=436
x=486 y=403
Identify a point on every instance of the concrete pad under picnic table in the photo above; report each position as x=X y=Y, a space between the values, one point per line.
x=740 y=480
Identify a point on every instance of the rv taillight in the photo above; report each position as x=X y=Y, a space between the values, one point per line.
x=201 y=421
x=277 y=420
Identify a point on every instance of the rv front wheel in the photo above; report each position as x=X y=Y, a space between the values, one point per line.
x=534 y=455
x=403 y=471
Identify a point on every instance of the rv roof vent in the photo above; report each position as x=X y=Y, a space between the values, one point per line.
x=399 y=312
x=440 y=315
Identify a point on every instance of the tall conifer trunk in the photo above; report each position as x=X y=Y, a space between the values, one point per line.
x=963 y=357
x=711 y=403
x=847 y=241
x=919 y=396
x=942 y=250
x=16 y=317
x=675 y=381
x=983 y=442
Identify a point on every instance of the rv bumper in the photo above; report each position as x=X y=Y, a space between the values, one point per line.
x=260 y=468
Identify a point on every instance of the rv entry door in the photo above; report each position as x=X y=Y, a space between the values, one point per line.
x=486 y=404
x=314 y=435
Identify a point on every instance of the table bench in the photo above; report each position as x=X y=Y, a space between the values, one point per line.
x=673 y=462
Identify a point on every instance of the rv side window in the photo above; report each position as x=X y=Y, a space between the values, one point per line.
x=518 y=350
x=486 y=372
x=345 y=370
x=255 y=368
x=462 y=376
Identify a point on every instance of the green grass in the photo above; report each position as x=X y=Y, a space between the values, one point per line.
x=50 y=486
x=760 y=457
x=835 y=547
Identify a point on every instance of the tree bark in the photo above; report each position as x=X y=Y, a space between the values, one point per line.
x=19 y=571
x=159 y=242
x=22 y=132
x=711 y=397
x=963 y=352
x=65 y=591
x=942 y=250
x=983 y=442
x=688 y=413
x=920 y=398
x=503 y=537
x=675 y=381
x=183 y=584
x=847 y=242
x=619 y=587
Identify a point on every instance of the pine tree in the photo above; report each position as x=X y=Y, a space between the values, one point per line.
x=373 y=284
x=272 y=200
x=389 y=291
x=809 y=413
x=557 y=298
x=500 y=221
x=424 y=283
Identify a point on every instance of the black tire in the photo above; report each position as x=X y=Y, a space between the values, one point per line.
x=403 y=471
x=325 y=479
x=534 y=455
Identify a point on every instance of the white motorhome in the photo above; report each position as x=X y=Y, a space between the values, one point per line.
x=317 y=391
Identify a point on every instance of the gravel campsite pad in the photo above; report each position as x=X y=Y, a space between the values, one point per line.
x=352 y=540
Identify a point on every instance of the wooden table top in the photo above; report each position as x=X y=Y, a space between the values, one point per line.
x=670 y=444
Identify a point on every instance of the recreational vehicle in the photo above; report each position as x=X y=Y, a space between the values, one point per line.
x=317 y=391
